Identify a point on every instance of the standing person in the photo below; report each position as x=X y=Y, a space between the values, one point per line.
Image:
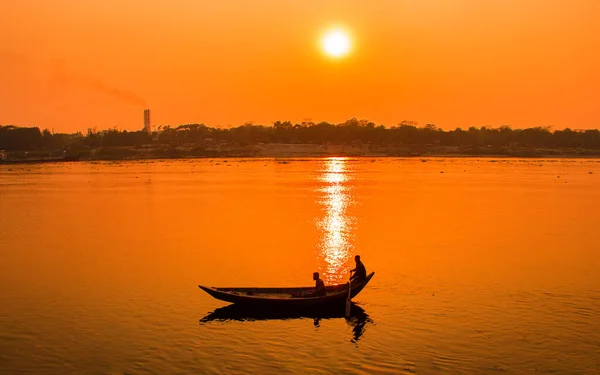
x=360 y=272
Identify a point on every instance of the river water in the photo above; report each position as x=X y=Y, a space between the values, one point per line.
x=482 y=266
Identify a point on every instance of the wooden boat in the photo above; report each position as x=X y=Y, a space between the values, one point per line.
x=288 y=297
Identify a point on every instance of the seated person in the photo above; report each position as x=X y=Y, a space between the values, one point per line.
x=319 y=285
x=360 y=272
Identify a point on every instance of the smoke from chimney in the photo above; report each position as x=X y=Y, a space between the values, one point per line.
x=62 y=75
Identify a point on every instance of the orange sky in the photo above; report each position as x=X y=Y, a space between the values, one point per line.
x=72 y=64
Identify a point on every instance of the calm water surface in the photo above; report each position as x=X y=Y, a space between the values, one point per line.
x=482 y=266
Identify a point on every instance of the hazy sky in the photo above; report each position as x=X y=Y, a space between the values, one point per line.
x=73 y=64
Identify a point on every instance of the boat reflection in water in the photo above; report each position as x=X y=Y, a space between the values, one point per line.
x=358 y=319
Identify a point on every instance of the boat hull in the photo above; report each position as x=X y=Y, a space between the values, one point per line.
x=286 y=297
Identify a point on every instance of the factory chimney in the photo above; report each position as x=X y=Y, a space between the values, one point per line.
x=147 y=126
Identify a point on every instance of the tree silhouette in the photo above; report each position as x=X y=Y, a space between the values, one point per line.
x=353 y=132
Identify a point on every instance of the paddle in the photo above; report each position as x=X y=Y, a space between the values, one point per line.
x=348 y=300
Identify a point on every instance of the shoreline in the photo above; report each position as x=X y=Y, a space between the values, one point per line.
x=289 y=151
x=292 y=156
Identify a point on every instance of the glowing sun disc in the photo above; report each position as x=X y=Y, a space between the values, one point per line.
x=336 y=43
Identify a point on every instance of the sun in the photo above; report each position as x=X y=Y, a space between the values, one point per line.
x=336 y=43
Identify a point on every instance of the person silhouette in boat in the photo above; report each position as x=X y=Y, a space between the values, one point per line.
x=319 y=285
x=360 y=272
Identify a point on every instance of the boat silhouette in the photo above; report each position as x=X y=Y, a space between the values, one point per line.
x=278 y=298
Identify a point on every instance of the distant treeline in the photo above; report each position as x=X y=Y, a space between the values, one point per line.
x=352 y=132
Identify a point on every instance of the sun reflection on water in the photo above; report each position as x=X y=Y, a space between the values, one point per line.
x=336 y=225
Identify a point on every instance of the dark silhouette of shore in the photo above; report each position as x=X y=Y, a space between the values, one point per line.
x=284 y=139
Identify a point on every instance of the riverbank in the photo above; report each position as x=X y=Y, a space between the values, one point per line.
x=281 y=150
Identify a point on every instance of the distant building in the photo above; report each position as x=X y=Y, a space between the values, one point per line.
x=147 y=126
